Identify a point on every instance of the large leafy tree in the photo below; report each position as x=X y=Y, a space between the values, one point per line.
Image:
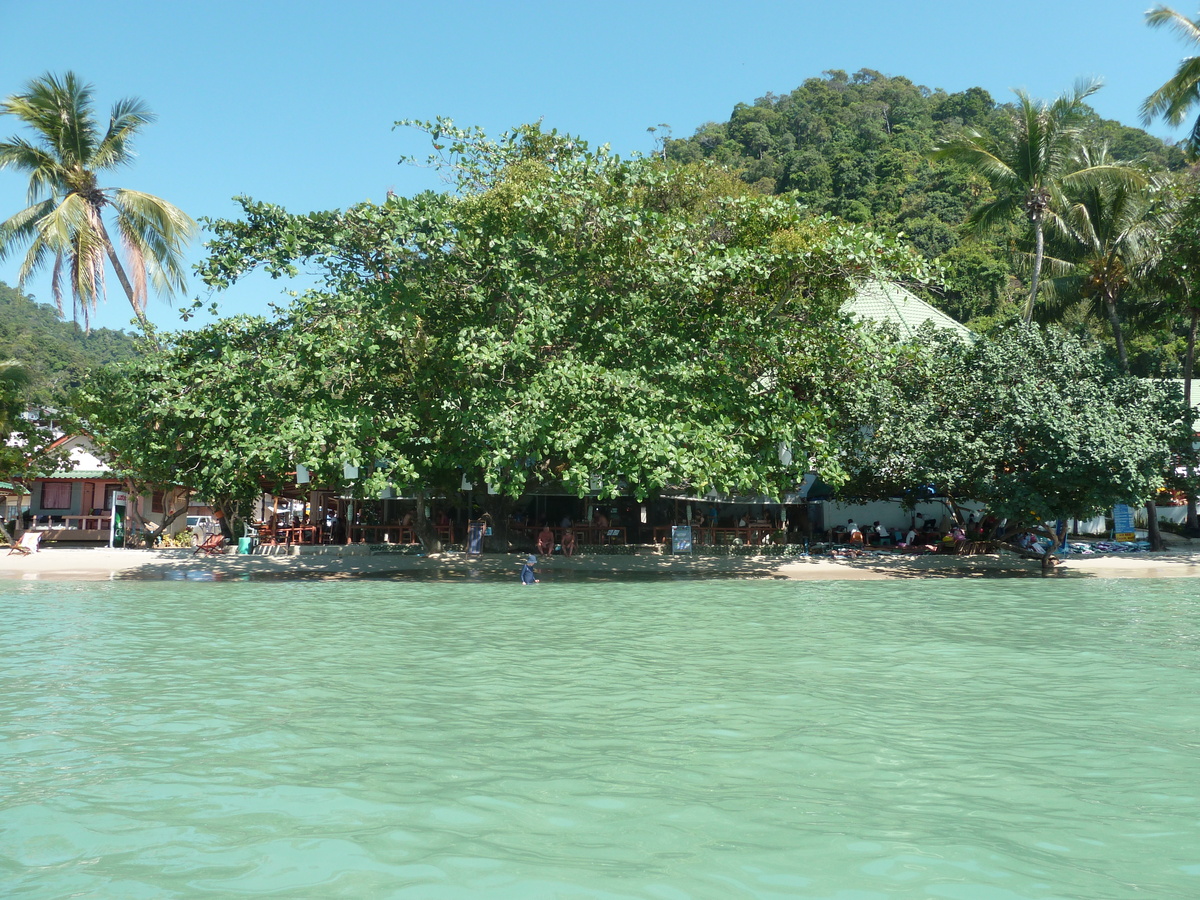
x=1180 y=94
x=1029 y=165
x=566 y=317
x=65 y=223
x=995 y=421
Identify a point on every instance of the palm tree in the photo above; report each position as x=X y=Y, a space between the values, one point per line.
x=1176 y=276
x=1104 y=240
x=65 y=221
x=1181 y=92
x=1029 y=166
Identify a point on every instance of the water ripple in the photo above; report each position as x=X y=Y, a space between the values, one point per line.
x=653 y=740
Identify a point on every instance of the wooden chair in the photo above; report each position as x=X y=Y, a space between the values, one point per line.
x=26 y=544
x=212 y=545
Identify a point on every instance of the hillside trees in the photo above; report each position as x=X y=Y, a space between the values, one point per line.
x=1030 y=164
x=58 y=355
x=856 y=146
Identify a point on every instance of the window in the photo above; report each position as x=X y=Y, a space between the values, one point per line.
x=156 y=501
x=56 y=495
x=109 y=490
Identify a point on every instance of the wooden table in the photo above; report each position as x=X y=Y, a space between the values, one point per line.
x=298 y=534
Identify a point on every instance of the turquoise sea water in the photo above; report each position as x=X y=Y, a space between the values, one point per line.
x=960 y=739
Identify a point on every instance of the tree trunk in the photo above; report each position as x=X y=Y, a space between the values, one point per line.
x=134 y=300
x=430 y=540
x=1039 y=252
x=1152 y=532
x=134 y=513
x=1114 y=321
x=1189 y=364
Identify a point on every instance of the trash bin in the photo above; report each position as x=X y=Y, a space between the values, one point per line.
x=244 y=546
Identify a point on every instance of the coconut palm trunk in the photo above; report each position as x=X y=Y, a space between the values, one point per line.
x=1189 y=366
x=1114 y=321
x=1039 y=253
x=134 y=300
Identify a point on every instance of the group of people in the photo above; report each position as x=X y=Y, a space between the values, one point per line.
x=922 y=534
x=875 y=534
x=546 y=543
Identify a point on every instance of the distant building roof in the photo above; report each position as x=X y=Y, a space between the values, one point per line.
x=879 y=301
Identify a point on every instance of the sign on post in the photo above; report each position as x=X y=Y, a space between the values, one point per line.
x=116 y=524
x=1123 y=523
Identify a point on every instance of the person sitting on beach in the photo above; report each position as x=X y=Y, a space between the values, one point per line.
x=545 y=540
x=568 y=542
x=1030 y=543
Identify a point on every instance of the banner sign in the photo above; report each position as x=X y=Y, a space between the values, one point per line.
x=116 y=525
x=475 y=538
x=1123 y=523
x=681 y=538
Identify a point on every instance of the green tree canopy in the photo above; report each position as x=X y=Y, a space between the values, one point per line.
x=996 y=421
x=566 y=316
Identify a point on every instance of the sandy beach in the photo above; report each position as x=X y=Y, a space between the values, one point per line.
x=1181 y=559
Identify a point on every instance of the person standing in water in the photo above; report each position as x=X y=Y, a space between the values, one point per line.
x=528 y=576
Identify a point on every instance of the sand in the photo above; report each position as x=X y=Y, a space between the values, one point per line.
x=1181 y=559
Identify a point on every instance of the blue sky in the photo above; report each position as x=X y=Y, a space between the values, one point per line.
x=293 y=102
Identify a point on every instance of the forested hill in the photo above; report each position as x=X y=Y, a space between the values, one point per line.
x=57 y=353
x=856 y=145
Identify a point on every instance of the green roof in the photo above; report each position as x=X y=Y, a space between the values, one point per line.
x=80 y=474
x=879 y=301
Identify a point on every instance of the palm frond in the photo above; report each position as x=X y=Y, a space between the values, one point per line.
x=60 y=112
x=159 y=231
x=1175 y=96
x=1164 y=16
x=20 y=228
x=127 y=119
x=46 y=176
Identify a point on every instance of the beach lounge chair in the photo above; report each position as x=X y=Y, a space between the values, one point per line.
x=27 y=544
x=212 y=545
